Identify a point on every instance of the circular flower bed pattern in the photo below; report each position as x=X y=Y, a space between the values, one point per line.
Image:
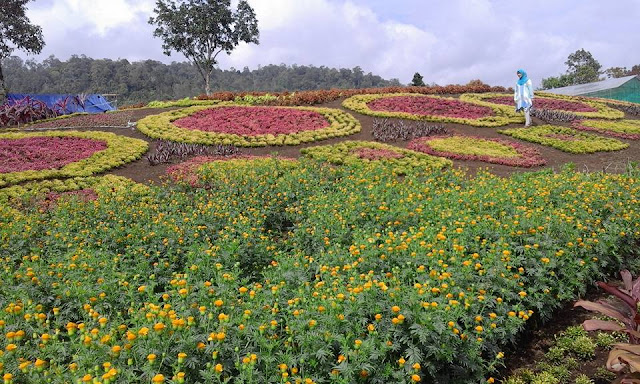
x=33 y=156
x=625 y=129
x=249 y=126
x=565 y=139
x=430 y=108
x=581 y=107
x=495 y=151
x=352 y=152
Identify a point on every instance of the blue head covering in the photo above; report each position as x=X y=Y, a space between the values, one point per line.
x=524 y=77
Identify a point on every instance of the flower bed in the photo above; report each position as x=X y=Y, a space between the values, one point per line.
x=400 y=160
x=625 y=129
x=34 y=193
x=38 y=153
x=309 y=273
x=83 y=120
x=33 y=156
x=582 y=107
x=256 y=121
x=565 y=139
x=429 y=108
x=187 y=171
x=547 y=103
x=495 y=151
x=249 y=126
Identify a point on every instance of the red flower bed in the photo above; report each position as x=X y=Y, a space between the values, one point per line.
x=431 y=106
x=119 y=119
x=528 y=156
x=544 y=103
x=377 y=154
x=38 y=153
x=252 y=121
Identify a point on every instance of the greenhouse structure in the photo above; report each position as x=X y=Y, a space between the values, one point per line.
x=623 y=88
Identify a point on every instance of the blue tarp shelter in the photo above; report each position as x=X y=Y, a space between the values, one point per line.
x=92 y=103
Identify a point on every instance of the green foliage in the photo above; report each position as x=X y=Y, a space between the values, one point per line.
x=565 y=139
x=186 y=102
x=16 y=31
x=545 y=377
x=606 y=340
x=329 y=248
x=583 y=379
x=555 y=354
x=149 y=80
x=601 y=374
x=417 y=80
x=576 y=340
x=201 y=30
x=581 y=68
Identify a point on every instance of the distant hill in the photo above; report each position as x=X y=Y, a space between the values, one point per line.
x=143 y=81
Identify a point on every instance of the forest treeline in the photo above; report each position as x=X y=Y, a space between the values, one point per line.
x=144 y=81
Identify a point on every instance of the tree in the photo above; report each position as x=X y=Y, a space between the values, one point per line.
x=582 y=67
x=202 y=29
x=16 y=32
x=417 y=80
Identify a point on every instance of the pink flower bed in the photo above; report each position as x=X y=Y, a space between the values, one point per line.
x=38 y=153
x=545 y=103
x=430 y=106
x=377 y=154
x=528 y=156
x=560 y=136
x=252 y=121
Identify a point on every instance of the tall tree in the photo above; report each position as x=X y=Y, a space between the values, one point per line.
x=417 y=80
x=202 y=29
x=582 y=67
x=16 y=32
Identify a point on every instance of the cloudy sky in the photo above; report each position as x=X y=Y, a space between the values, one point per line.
x=447 y=41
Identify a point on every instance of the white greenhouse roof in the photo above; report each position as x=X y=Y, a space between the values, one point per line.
x=581 y=89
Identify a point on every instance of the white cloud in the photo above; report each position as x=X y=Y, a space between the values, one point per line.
x=447 y=42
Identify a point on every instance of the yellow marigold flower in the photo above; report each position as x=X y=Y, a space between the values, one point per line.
x=395 y=309
x=283 y=367
x=116 y=349
x=378 y=316
x=144 y=331
x=142 y=289
x=415 y=378
x=40 y=363
x=371 y=327
x=401 y=361
x=218 y=303
x=416 y=366
x=87 y=378
x=159 y=378
x=220 y=336
x=7 y=377
x=522 y=293
x=479 y=329
x=11 y=347
x=511 y=314
x=158 y=327
x=312 y=323
x=218 y=368
x=151 y=357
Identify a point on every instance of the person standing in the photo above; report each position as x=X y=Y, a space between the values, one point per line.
x=523 y=95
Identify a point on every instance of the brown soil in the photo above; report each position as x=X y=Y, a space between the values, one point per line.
x=611 y=162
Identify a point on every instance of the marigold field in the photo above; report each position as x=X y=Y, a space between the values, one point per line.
x=273 y=271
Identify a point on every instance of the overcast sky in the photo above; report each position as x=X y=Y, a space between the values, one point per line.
x=447 y=41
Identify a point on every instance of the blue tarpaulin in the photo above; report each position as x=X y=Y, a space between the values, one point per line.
x=92 y=103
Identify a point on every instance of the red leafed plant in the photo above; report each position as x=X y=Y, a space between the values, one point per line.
x=253 y=121
x=421 y=105
x=377 y=154
x=625 y=311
